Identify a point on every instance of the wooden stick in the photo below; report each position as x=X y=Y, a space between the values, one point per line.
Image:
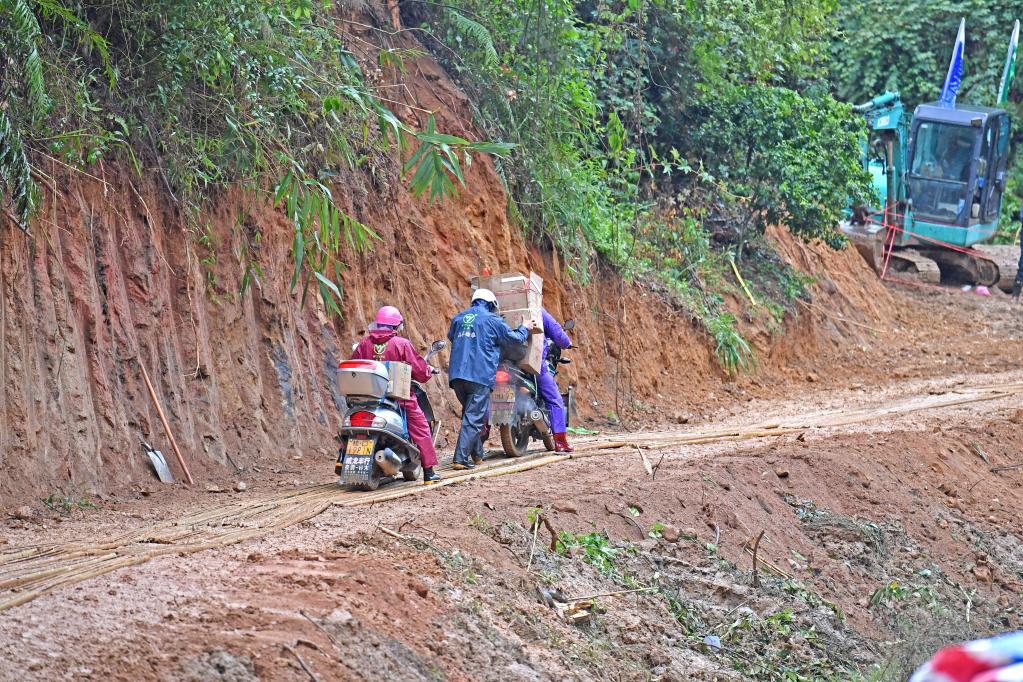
x=310 y=673
x=756 y=548
x=532 y=547
x=772 y=567
x=646 y=463
x=1008 y=468
x=166 y=426
x=322 y=629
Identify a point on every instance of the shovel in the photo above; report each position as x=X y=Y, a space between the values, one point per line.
x=159 y=463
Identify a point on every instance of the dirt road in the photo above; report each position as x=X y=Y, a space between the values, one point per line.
x=312 y=581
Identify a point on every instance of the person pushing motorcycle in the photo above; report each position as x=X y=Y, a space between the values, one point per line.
x=384 y=345
x=476 y=337
x=554 y=333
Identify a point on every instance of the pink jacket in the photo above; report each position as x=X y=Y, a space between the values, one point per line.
x=385 y=345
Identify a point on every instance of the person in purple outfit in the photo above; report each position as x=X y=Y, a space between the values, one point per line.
x=553 y=333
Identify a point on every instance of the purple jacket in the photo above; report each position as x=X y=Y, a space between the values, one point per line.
x=552 y=332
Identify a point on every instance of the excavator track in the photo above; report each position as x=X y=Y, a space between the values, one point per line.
x=914 y=263
x=1006 y=257
x=986 y=265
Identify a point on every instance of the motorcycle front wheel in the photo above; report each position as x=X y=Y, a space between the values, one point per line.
x=515 y=439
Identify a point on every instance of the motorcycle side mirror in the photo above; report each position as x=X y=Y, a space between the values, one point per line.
x=438 y=346
x=570 y=325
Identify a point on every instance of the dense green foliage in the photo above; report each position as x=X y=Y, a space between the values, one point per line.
x=661 y=133
x=656 y=135
x=906 y=47
x=262 y=92
x=627 y=92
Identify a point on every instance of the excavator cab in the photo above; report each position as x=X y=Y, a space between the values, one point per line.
x=956 y=173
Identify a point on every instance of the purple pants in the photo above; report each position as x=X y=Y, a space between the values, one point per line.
x=552 y=396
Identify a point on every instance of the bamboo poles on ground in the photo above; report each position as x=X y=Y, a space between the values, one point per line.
x=30 y=572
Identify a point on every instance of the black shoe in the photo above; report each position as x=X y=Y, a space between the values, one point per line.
x=430 y=476
x=459 y=464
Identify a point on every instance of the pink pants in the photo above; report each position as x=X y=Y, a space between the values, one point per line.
x=419 y=431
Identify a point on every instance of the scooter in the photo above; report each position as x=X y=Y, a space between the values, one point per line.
x=518 y=409
x=375 y=445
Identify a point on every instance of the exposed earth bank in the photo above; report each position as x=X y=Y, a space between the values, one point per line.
x=882 y=540
x=115 y=276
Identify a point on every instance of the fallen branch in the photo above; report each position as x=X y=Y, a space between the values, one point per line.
x=532 y=547
x=1007 y=468
x=310 y=673
x=550 y=529
x=418 y=542
x=658 y=466
x=756 y=548
x=767 y=564
x=839 y=318
x=321 y=629
x=646 y=463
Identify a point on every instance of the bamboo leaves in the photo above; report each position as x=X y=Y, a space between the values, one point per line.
x=322 y=230
x=436 y=160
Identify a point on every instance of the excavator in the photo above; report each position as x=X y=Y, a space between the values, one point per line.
x=939 y=174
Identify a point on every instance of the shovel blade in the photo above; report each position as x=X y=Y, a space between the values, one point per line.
x=159 y=463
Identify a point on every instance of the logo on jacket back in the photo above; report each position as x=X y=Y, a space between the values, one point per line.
x=467 y=331
x=378 y=351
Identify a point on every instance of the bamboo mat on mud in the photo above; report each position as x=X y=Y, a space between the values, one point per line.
x=30 y=571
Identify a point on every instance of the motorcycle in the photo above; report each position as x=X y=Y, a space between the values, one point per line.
x=375 y=445
x=518 y=409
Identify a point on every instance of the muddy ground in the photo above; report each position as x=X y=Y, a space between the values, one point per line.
x=881 y=541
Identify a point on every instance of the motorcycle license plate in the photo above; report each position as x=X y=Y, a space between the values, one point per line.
x=357 y=469
x=359 y=446
x=503 y=394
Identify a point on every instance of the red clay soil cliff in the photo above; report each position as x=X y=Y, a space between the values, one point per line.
x=113 y=277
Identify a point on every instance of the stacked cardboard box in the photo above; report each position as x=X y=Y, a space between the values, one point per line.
x=519 y=299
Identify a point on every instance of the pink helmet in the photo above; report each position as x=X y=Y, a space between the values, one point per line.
x=389 y=316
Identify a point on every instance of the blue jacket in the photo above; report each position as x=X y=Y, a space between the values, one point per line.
x=553 y=333
x=476 y=337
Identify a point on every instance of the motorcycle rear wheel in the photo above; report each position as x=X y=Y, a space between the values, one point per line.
x=372 y=484
x=515 y=440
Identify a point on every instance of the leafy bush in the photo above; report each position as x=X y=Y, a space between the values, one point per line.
x=262 y=92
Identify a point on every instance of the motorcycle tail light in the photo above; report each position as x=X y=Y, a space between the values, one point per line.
x=502 y=377
x=363 y=420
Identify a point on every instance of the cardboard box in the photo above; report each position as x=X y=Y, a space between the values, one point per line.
x=400 y=383
x=533 y=361
x=519 y=298
x=513 y=290
x=530 y=318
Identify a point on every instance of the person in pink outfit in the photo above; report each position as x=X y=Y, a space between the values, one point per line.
x=384 y=345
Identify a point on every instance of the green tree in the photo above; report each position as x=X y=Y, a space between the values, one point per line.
x=786 y=158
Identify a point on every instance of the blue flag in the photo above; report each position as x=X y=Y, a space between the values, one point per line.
x=955 y=70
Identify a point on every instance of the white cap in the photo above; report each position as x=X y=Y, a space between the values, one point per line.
x=484 y=295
